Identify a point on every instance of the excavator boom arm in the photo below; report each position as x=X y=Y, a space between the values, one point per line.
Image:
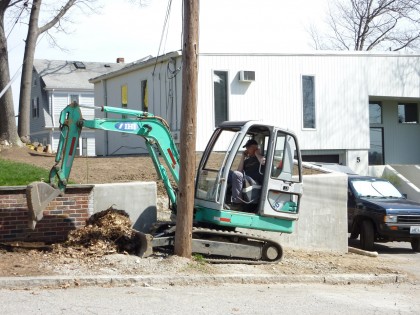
x=153 y=129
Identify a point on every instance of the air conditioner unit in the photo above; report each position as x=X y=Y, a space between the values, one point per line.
x=246 y=76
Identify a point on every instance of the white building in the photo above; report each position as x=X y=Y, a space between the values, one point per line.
x=345 y=107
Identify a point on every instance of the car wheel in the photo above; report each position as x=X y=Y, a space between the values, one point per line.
x=367 y=235
x=415 y=245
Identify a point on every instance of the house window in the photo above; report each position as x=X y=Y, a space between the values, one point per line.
x=408 y=114
x=308 y=100
x=124 y=98
x=74 y=98
x=375 y=113
x=144 y=96
x=35 y=107
x=220 y=90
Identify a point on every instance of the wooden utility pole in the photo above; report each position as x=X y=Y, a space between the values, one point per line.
x=183 y=238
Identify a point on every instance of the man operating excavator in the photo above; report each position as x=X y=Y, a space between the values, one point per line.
x=250 y=170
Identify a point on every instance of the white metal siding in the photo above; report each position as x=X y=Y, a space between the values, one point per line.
x=344 y=82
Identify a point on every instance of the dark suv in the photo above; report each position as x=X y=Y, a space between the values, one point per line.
x=380 y=213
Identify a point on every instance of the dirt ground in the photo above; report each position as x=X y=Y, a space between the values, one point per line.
x=23 y=259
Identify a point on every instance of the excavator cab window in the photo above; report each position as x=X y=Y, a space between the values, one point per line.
x=251 y=189
x=284 y=166
x=209 y=177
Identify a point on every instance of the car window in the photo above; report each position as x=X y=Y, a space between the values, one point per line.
x=366 y=188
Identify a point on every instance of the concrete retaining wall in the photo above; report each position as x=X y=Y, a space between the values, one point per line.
x=404 y=185
x=138 y=199
x=322 y=223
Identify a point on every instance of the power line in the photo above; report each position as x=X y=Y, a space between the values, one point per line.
x=25 y=5
x=168 y=12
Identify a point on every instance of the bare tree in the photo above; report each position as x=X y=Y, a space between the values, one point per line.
x=370 y=24
x=8 y=131
x=34 y=31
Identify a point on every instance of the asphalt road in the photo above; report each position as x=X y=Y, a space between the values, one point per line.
x=226 y=299
x=311 y=298
x=401 y=251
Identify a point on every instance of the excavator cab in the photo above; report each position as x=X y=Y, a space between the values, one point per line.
x=271 y=206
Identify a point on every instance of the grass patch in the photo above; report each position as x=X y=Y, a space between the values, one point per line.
x=20 y=174
x=198 y=258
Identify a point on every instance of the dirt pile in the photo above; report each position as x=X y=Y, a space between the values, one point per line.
x=106 y=232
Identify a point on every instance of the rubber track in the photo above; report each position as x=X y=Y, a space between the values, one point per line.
x=239 y=234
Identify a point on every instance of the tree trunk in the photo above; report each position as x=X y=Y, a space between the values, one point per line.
x=8 y=131
x=26 y=80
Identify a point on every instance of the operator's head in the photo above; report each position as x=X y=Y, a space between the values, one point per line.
x=251 y=146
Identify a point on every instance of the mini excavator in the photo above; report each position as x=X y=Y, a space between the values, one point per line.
x=220 y=231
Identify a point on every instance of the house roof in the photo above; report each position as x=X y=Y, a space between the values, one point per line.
x=62 y=74
x=139 y=64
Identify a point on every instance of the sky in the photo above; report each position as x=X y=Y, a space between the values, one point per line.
x=123 y=29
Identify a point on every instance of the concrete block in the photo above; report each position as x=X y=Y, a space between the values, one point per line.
x=322 y=223
x=138 y=199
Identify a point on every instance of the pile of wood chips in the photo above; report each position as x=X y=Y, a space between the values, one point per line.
x=106 y=232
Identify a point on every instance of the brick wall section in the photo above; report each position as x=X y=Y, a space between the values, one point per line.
x=60 y=217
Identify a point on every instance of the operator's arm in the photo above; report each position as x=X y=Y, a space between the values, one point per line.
x=260 y=157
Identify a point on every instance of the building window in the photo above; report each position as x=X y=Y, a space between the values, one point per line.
x=376 y=150
x=124 y=98
x=74 y=98
x=308 y=100
x=375 y=113
x=144 y=96
x=408 y=114
x=35 y=108
x=220 y=90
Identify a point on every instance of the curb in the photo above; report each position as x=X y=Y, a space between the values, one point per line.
x=152 y=280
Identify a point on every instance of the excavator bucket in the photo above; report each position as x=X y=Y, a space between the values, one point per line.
x=145 y=246
x=38 y=196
